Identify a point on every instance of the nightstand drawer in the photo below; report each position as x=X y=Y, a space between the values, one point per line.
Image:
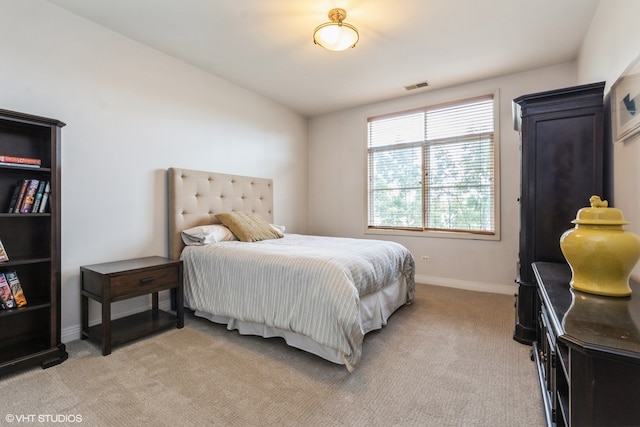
x=142 y=283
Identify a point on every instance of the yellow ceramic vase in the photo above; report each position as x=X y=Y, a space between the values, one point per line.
x=599 y=251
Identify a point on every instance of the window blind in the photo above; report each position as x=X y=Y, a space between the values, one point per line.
x=433 y=168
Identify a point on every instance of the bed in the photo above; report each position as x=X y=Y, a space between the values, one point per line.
x=321 y=294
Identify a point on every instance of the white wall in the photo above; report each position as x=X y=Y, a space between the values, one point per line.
x=610 y=46
x=337 y=182
x=131 y=113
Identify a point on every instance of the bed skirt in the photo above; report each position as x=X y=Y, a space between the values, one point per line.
x=375 y=310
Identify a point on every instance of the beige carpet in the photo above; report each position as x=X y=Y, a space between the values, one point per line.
x=446 y=360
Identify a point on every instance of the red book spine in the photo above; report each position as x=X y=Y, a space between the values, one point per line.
x=21 y=160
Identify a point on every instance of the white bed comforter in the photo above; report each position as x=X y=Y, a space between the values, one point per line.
x=310 y=285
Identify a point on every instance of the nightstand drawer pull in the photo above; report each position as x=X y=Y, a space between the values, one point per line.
x=146 y=280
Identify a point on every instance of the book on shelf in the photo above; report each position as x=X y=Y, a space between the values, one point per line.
x=45 y=198
x=22 y=165
x=14 y=197
x=29 y=196
x=21 y=188
x=16 y=288
x=6 y=296
x=3 y=253
x=38 y=200
x=23 y=161
x=24 y=200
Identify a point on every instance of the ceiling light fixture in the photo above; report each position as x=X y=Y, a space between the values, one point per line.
x=336 y=35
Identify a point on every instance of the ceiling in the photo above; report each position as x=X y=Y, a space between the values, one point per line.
x=267 y=46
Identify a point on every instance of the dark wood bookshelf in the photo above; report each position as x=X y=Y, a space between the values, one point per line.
x=30 y=335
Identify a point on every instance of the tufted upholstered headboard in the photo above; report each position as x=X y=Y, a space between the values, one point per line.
x=195 y=197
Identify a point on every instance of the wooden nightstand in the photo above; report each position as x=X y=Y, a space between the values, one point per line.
x=120 y=280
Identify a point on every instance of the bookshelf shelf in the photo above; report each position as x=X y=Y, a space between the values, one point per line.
x=30 y=335
x=16 y=261
x=35 y=171
x=33 y=305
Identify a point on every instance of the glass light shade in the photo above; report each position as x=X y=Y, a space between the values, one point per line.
x=336 y=36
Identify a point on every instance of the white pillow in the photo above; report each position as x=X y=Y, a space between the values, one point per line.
x=206 y=234
x=279 y=228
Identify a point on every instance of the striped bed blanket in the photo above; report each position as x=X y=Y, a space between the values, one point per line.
x=310 y=285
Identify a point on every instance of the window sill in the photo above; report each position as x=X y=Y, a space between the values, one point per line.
x=435 y=234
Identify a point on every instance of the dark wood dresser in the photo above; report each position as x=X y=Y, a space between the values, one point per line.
x=588 y=353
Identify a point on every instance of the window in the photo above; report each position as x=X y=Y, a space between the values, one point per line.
x=433 y=169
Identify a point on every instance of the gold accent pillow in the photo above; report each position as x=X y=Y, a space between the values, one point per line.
x=248 y=226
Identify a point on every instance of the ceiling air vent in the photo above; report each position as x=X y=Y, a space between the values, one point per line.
x=417 y=86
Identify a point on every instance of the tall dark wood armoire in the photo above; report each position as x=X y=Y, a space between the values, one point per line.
x=562 y=165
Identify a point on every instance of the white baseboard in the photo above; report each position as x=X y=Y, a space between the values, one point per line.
x=72 y=333
x=467 y=285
